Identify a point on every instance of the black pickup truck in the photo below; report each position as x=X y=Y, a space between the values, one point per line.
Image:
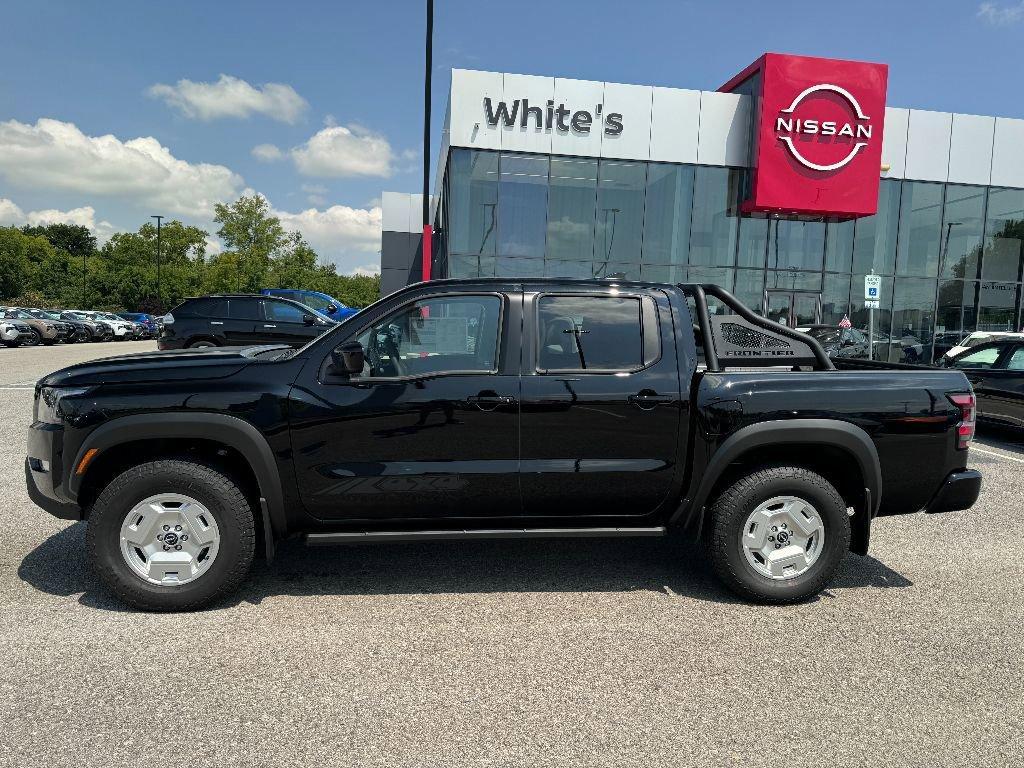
x=498 y=409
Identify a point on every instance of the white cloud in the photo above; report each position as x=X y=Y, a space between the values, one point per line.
x=231 y=97
x=1001 y=15
x=56 y=155
x=213 y=246
x=12 y=214
x=267 y=153
x=339 y=233
x=369 y=270
x=340 y=150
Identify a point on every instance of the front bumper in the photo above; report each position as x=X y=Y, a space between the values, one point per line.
x=44 y=472
x=36 y=481
x=959 y=491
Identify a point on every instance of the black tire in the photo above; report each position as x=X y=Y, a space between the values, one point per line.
x=35 y=341
x=230 y=508
x=201 y=344
x=736 y=503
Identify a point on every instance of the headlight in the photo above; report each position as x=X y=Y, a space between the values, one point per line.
x=48 y=403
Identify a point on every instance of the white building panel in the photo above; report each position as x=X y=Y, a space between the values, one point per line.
x=1008 y=153
x=578 y=95
x=928 y=136
x=466 y=104
x=970 y=149
x=633 y=103
x=724 y=133
x=894 y=142
x=675 y=122
x=395 y=211
x=537 y=91
x=416 y=213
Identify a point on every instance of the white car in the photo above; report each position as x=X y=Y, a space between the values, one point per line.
x=980 y=337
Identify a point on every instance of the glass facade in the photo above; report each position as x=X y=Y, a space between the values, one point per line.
x=950 y=255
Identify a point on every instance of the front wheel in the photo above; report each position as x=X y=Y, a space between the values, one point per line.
x=778 y=534
x=171 y=535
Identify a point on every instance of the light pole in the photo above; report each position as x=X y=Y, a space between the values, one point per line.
x=159 y=295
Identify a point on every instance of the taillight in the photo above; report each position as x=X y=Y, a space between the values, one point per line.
x=968 y=406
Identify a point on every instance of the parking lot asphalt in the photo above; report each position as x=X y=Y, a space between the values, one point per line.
x=526 y=653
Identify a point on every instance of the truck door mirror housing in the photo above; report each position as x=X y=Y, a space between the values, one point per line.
x=332 y=308
x=348 y=358
x=308 y=319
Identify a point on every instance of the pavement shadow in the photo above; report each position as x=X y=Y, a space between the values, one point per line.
x=1004 y=438
x=670 y=566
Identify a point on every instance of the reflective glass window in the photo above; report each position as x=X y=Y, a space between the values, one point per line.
x=601 y=333
x=962 y=229
x=919 y=230
x=1004 y=235
x=793 y=280
x=667 y=207
x=835 y=299
x=572 y=202
x=997 y=306
x=874 y=237
x=913 y=319
x=753 y=241
x=955 y=313
x=839 y=245
x=472 y=202
x=795 y=244
x=522 y=205
x=509 y=267
x=620 y=211
x=663 y=273
x=714 y=225
x=749 y=289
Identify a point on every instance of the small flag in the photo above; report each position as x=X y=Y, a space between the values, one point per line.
x=845 y=322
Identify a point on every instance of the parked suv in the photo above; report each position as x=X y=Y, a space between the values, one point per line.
x=240 y=320
x=44 y=331
x=97 y=331
x=13 y=333
x=148 y=323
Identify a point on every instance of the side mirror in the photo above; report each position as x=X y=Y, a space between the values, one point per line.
x=348 y=358
x=332 y=308
x=308 y=319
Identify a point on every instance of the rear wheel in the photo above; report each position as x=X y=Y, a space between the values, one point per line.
x=35 y=339
x=778 y=534
x=201 y=344
x=171 y=535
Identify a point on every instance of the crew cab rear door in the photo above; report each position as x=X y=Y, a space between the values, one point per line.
x=601 y=403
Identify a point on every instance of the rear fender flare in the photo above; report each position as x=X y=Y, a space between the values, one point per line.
x=216 y=427
x=832 y=432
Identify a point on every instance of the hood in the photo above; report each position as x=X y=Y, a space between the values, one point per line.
x=169 y=365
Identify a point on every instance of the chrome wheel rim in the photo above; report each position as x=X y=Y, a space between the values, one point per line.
x=783 y=537
x=169 y=539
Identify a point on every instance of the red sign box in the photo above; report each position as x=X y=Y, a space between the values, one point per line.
x=817 y=134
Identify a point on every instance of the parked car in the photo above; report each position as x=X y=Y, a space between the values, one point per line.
x=463 y=409
x=240 y=319
x=44 y=331
x=124 y=330
x=148 y=323
x=98 y=331
x=79 y=331
x=838 y=341
x=996 y=371
x=14 y=333
x=321 y=302
x=66 y=332
x=980 y=337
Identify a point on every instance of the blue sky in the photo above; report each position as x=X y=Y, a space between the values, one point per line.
x=113 y=111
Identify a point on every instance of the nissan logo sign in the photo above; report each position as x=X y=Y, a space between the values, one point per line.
x=794 y=122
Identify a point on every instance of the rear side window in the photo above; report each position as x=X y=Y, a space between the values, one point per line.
x=244 y=309
x=206 y=307
x=599 y=333
x=1016 y=361
x=983 y=358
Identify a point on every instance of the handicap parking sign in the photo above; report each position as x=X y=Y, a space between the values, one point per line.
x=872 y=287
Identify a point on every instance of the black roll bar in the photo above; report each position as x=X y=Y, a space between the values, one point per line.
x=700 y=291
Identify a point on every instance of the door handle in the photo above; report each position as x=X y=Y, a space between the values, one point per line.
x=216 y=322
x=648 y=399
x=269 y=326
x=491 y=399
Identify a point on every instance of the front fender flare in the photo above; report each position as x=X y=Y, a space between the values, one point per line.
x=216 y=427
x=832 y=432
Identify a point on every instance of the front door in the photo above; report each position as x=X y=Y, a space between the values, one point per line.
x=601 y=404
x=430 y=428
x=796 y=309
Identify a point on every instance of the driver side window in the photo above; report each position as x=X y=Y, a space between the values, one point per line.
x=453 y=334
x=982 y=358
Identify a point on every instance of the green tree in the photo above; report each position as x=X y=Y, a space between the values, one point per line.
x=253 y=236
x=16 y=269
x=74 y=239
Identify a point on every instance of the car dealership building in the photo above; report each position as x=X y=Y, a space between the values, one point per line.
x=786 y=186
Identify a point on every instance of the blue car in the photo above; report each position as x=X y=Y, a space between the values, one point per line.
x=321 y=302
x=148 y=322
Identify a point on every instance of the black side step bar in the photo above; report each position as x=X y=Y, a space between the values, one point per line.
x=373 y=537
